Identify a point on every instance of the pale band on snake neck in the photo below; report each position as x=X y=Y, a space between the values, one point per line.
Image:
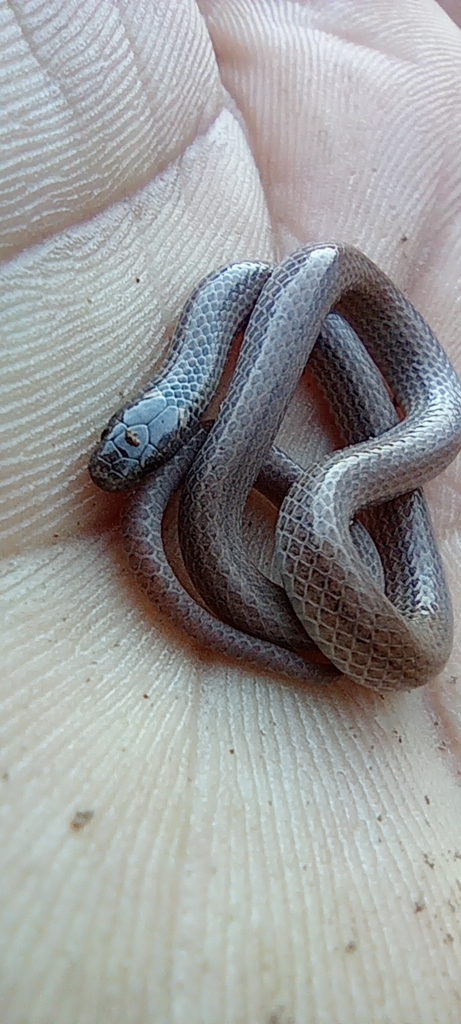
x=396 y=639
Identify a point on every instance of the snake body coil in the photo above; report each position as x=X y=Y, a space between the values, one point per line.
x=397 y=638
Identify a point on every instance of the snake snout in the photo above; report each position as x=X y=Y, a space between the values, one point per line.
x=111 y=470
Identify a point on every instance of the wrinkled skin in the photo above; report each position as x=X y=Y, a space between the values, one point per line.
x=253 y=851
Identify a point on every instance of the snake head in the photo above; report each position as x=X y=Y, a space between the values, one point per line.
x=136 y=441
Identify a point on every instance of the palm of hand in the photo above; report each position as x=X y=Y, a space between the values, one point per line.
x=277 y=837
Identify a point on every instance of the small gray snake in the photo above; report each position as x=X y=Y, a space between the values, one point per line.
x=395 y=636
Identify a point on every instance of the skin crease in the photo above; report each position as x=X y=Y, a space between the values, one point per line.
x=184 y=839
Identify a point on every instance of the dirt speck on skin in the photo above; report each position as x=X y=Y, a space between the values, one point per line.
x=351 y=946
x=80 y=819
x=430 y=863
x=132 y=438
x=419 y=906
x=427 y=800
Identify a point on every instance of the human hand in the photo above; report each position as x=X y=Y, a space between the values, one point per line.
x=257 y=852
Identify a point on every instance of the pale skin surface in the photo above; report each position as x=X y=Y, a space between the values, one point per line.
x=253 y=852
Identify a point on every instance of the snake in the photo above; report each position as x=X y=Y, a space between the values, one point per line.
x=385 y=637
